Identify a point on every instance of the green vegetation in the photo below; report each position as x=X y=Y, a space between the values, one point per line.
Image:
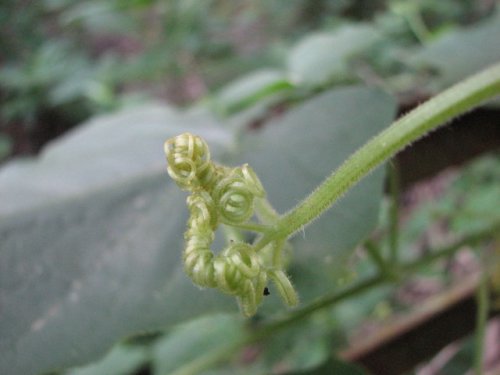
x=91 y=253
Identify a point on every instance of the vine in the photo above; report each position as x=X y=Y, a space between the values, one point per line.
x=233 y=196
x=222 y=195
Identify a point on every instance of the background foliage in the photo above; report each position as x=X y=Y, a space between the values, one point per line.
x=91 y=228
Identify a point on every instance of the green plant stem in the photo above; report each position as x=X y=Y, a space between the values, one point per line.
x=483 y=303
x=379 y=279
x=211 y=358
x=458 y=99
x=394 y=182
x=374 y=252
x=265 y=211
x=418 y=26
x=326 y=301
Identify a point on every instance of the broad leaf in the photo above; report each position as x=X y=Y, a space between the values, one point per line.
x=294 y=154
x=122 y=359
x=324 y=56
x=463 y=52
x=256 y=88
x=188 y=342
x=98 y=255
x=105 y=153
x=332 y=366
x=304 y=345
x=91 y=232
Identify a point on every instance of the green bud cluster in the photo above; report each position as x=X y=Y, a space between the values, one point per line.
x=223 y=195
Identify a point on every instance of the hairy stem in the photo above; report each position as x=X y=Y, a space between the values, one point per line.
x=437 y=111
x=265 y=212
x=394 y=212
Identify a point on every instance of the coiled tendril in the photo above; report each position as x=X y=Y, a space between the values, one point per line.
x=238 y=272
x=203 y=210
x=223 y=195
x=235 y=194
x=188 y=159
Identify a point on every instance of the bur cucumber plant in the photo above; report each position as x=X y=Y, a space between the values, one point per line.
x=229 y=196
x=233 y=196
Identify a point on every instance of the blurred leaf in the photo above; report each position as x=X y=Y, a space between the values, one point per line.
x=13 y=77
x=468 y=205
x=195 y=339
x=91 y=241
x=92 y=230
x=100 y=16
x=478 y=210
x=462 y=52
x=293 y=154
x=332 y=366
x=302 y=346
x=5 y=146
x=324 y=56
x=55 y=74
x=105 y=153
x=72 y=86
x=121 y=360
x=251 y=89
x=352 y=313
x=473 y=197
x=461 y=361
x=237 y=369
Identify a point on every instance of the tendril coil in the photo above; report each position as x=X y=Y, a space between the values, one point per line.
x=188 y=158
x=223 y=195
x=238 y=272
x=235 y=194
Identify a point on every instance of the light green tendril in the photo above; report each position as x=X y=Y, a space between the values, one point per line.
x=229 y=196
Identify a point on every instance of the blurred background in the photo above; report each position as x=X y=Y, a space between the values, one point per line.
x=86 y=216
x=64 y=61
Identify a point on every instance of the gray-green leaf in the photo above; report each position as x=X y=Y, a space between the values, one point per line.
x=463 y=52
x=91 y=232
x=324 y=56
